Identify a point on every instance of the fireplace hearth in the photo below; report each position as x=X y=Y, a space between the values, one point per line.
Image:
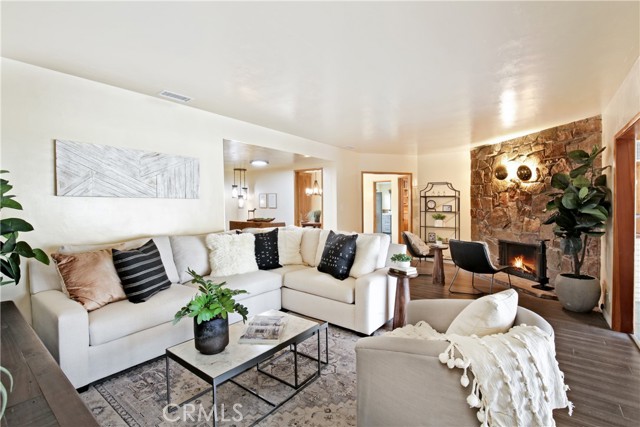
x=526 y=260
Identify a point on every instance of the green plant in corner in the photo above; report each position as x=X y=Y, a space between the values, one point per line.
x=439 y=216
x=582 y=207
x=400 y=257
x=11 y=249
x=214 y=301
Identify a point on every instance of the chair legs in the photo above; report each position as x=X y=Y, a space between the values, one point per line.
x=473 y=276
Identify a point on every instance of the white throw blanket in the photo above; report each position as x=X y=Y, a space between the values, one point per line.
x=517 y=381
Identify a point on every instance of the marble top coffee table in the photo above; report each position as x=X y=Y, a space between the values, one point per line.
x=237 y=358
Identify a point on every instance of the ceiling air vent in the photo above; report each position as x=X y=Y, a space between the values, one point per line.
x=174 y=96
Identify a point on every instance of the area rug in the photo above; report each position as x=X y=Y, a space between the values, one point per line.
x=138 y=397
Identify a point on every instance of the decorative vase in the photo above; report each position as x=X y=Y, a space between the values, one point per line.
x=577 y=294
x=211 y=337
x=438 y=223
x=403 y=264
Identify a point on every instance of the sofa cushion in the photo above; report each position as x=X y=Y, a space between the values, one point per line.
x=190 y=252
x=255 y=283
x=367 y=251
x=289 y=242
x=385 y=241
x=266 y=250
x=285 y=269
x=231 y=254
x=491 y=314
x=90 y=278
x=309 y=245
x=124 y=318
x=338 y=255
x=313 y=282
x=322 y=242
x=162 y=242
x=141 y=272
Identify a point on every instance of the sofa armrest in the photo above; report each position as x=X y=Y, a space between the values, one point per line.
x=63 y=326
x=374 y=300
x=401 y=382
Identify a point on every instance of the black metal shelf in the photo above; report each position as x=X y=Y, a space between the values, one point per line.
x=437 y=201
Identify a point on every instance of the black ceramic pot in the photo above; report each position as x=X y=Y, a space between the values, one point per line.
x=211 y=337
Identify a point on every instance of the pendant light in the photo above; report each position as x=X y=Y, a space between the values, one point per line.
x=243 y=193
x=316 y=191
x=234 y=187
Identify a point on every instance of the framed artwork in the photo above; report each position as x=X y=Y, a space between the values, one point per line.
x=431 y=238
x=447 y=208
x=262 y=200
x=272 y=200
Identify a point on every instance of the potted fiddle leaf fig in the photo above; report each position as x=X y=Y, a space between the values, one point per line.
x=580 y=211
x=210 y=311
x=12 y=249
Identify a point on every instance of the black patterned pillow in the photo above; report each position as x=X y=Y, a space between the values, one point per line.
x=141 y=272
x=338 y=255
x=266 y=250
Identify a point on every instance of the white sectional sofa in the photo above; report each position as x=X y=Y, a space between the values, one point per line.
x=92 y=345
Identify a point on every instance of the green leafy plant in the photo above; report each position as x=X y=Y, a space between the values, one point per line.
x=215 y=301
x=438 y=216
x=400 y=257
x=11 y=249
x=582 y=207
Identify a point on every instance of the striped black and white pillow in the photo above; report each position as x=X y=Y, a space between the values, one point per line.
x=141 y=272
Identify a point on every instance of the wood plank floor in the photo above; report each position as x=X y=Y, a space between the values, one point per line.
x=601 y=366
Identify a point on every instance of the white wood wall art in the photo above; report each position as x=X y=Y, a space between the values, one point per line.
x=92 y=170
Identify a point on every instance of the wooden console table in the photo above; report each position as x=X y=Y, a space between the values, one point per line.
x=239 y=225
x=42 y=395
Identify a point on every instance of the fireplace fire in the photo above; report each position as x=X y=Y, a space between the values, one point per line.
x=528 y=261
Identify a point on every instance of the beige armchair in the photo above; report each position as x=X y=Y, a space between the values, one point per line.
x=401 y=382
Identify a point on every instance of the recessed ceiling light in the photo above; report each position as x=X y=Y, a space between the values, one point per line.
x=259 y=163
x=175 y=96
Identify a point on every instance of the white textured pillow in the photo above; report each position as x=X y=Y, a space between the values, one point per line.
x=289 y=246
x=491 y=314
x=232 y=254
x=309 y=245
x=367 y=249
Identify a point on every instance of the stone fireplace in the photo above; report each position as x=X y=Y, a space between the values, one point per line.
x=513 y=209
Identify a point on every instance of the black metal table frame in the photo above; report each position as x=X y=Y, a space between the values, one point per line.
x=297 y=386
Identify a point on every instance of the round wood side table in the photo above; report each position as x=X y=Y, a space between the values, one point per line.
x=402 y=298
x=438 y=264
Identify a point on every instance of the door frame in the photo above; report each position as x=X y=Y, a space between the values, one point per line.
x=362 y=192
x=296 y=208
x=622 y=289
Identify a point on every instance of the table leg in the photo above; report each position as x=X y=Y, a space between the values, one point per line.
x=438 y=267
x=166 y=358
x=215 y=405
x=402 y=298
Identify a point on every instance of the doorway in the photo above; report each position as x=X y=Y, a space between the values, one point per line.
x=386 y=203
x=308 y=198
x=625 y=296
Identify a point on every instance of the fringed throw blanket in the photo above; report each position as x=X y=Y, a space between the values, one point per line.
x=517 y=381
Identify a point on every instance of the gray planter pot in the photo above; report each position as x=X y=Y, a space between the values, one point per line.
x=211 y=337
x=579 y=295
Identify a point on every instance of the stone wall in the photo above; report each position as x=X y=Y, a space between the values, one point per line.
x=514 y=210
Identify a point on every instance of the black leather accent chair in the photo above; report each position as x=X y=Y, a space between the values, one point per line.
x=416 y=247
x=474 y=257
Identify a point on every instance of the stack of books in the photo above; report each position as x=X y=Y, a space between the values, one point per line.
x=404 y=271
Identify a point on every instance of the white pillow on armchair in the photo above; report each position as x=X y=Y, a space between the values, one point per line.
x=491 y=314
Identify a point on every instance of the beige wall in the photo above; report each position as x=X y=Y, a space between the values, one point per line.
x=40 y=105
x=624 y=105
x=447 y=166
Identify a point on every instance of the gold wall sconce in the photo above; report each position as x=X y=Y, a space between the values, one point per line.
x=517 y=172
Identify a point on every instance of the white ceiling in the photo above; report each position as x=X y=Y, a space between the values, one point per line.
x=385 y=77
